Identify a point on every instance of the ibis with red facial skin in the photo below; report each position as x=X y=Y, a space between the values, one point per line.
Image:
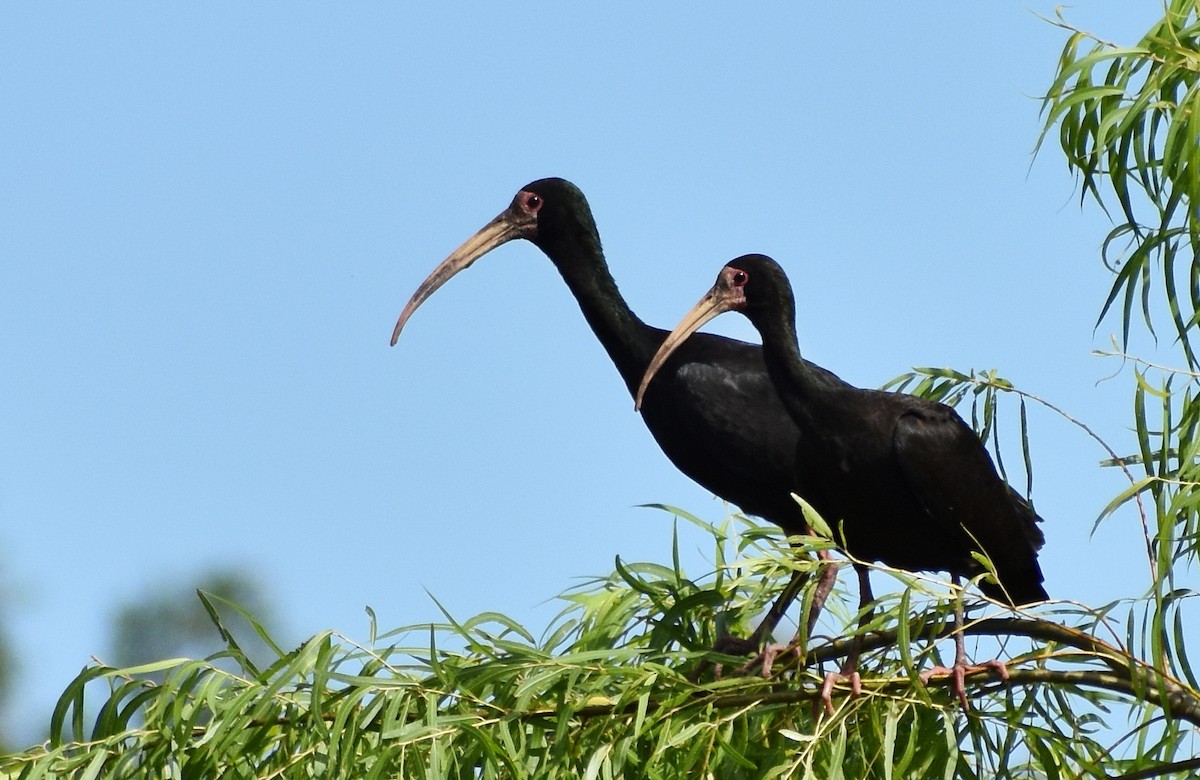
x=901 y=479
x=713 y=410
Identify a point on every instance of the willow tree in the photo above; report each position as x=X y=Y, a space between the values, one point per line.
x=622 y=683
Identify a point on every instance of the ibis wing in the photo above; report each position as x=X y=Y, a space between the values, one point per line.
x=953 y=478
x=721 y=422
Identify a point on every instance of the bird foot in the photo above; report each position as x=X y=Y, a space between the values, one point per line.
x=726 y=645
x=825 y=698
x=959 y=673
x=735 y=645
x=764 y=662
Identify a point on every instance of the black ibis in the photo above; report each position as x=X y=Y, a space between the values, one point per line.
x=905 y=480
x=714 y=411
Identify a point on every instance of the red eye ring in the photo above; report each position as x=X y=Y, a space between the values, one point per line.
x=532 y=202
x=740 y=278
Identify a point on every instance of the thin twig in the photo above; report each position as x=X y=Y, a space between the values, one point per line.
x=1146 y=536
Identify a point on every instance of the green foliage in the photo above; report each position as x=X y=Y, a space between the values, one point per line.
x=8 y=664
x=1128 y=120
x=167 y=620
x=622 y=685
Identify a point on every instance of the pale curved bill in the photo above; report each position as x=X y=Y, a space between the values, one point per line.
x=499 y=231
x=709 y=307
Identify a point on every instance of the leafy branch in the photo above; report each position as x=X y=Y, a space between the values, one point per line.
x=1128 y=121
x=608 y=686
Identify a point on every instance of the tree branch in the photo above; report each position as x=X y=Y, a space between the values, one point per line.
x=1161 y=769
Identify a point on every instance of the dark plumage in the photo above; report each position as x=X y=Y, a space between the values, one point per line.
x=713 y=410
x=907 y=481
x=901 y=479
x=696 y=409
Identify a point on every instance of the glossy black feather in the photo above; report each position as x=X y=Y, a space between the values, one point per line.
x=904 y=478
x=713 y=409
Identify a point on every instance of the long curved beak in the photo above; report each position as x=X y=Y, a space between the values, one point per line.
x=716 y=301
x=508 y=225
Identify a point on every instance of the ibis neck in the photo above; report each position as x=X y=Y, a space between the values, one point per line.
x=809 y=395
x=630 y=343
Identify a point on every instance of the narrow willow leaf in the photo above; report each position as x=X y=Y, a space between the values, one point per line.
x=814 y=519
x=891 y=719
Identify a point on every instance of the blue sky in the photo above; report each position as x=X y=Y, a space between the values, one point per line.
x=212 y=216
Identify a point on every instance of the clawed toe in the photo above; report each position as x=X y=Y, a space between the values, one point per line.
x=825 y=697
x=735 y=645
x=959 y=673
x=764 y=662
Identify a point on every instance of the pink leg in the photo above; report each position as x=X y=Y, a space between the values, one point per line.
x=764 y=660
x=849 y=671
x=961 y=668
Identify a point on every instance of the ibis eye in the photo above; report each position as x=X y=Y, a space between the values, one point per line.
x=740 y=278
x=533 y=202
